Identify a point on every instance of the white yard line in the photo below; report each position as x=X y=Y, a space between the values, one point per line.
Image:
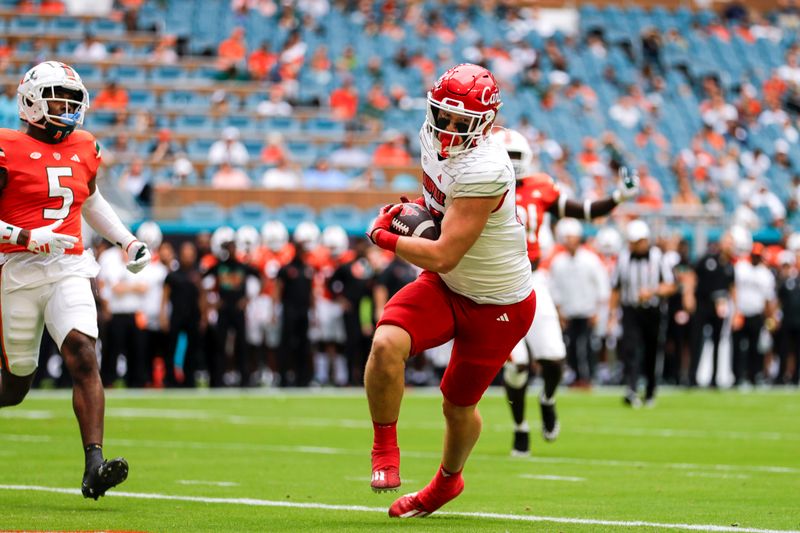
x=716 y=475
x=360 y=508
x=349 y=423
x=321 y=450
x=210 y=483
x=553 y=478
x=27 y=414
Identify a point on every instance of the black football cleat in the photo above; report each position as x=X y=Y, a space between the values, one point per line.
x=522 y=447
x=109 y=474
x=550 y=426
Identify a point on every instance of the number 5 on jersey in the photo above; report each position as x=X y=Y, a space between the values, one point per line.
x=57 y=190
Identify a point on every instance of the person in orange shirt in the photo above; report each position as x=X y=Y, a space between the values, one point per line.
x=392 y=153
x=344 y=101
x=48 y=181
x=231 y=53
x=112 y=97
x=261 y=61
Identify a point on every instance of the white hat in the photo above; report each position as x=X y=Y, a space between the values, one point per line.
x=230 y=133
x=781 y=146
x=568 y=227
x=742 y=239
x=637 y=230
x=793 y=242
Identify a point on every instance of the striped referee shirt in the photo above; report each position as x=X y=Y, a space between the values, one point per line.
x=634 y=273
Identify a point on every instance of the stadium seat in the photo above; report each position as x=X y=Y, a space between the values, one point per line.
x=66 y=26
x=106 y=27
x=293 y=214
x=202 y=216
x=27 y=24
x=347 y=216
x=252 y=213
x=405 y=182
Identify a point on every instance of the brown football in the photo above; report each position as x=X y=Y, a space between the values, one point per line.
x=415 y=220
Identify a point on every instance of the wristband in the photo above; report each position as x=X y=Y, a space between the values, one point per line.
x=385 y=239
x=617 y=196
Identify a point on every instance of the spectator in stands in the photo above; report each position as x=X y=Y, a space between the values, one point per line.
x=347 y=62
x=651 y=49
x=652 y=194
x=276 y=105
x=625 y=112
x=588 y=156
x=393 y=153
x=582 y=94
x=165 y=52
x=261 y=61
x=51 y=7
x=293 y=54
x=282 y=176
x=790 y=72
x=320 y=65
x=9 y=113
x=182 y=170
x=685 y=195
x=231 y=55
x=322 y=176
x=774 y=87
x=650 y=138
x=773 y=115
x=90 y=49
x=229 y=177
x=755 y=163
x=229 y=149
x=716 y=112
x=375 y=107
x=138 y=182
x=112 y=97
x=163 y=147
x=344 y=101
x=274 y=149
x=349 y=155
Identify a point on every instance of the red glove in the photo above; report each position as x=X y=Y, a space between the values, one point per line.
x=419 y=201
x=379 y=232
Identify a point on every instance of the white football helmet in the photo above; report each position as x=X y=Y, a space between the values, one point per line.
x=274 y=235
x=221 y=236
x=150 y=233
x=38 y=89
x=793 y=242
x=247 y=239
x=518 y=148
x=608 y=241
x=742 y=240
x=307 y=233
x=334 y=238
x=568 y=227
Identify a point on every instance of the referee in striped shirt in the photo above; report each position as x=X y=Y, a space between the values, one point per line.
x=642 y=280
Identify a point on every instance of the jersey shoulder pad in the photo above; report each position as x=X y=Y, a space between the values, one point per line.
x=86 y=141
x=482 y=172
x=543 y=186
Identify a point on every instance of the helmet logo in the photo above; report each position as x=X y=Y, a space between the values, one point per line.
x=492 y=98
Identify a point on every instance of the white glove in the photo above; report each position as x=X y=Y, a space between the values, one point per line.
x=628 y=186
x=45 y=241
x=138 y=256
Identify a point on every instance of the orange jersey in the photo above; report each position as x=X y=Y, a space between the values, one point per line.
x=535 y=197
x=269 y=263
x=46 y=182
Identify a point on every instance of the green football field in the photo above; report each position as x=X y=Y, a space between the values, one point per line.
x=274 y=461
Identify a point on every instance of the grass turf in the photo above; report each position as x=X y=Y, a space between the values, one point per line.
x=707 y=458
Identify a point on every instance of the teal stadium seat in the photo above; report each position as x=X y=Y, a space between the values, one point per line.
x=202 y=216
x=347 y=216
x=293 y=214
x=405 y=182
x=252 y=213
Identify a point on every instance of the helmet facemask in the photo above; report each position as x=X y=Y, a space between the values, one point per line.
x=471 y=126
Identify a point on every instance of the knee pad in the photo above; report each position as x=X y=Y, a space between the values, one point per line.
x=23 y=366
x=515 y=376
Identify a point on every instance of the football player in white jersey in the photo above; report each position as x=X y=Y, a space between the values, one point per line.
x=476 y=287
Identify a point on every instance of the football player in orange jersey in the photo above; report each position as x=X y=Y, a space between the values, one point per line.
x=47 y=178
x=537 y=194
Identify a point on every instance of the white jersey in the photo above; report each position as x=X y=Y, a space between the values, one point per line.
x=755 y=286
x=496 y=269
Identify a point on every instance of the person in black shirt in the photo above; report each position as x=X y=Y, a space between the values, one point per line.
x=711 y=301
x=183 y=293
x=397 y=274
x=293 y=290
x=677 y=340
x=231 y=278
x=350 y=284
x=789 y=332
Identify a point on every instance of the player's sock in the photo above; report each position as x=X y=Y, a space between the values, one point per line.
x=385 y=457
x=444 y=487
x=551 y=374
x=516 y=400
x=93 y=454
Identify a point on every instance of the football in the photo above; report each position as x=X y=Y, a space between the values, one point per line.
x=415 y=220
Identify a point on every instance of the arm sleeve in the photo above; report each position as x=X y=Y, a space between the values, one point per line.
x=101 y=216
x=667 y=276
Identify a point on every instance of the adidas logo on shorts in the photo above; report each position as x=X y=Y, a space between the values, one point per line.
x=503 y=318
